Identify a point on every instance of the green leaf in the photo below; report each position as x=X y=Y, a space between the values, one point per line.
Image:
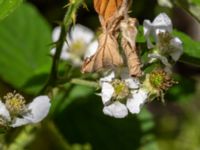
x=180 y=92
x=64 y=98
x=24 y=44
x=191 y=6
x=7 y=6
x=191 y=49
x=84 y=122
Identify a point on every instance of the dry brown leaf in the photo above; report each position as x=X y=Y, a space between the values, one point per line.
x=129 y=33
x=107 y=8
x=106 y=57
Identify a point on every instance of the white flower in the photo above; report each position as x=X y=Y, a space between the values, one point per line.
x=166 y=45
x=4 y=112
x=136 y=101
x=161 y=23
x=79 y=44
x=121 y=95
x=36 y=111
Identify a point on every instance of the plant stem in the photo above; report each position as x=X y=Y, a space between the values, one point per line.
x=85 y=83
x=57 y=136
x=67 y=21
x=24 y=138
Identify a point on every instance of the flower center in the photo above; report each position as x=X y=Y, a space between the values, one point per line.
x=15 y=103
x=160 y=80
x=121 y=90
x=78 y=48
x=164 y=41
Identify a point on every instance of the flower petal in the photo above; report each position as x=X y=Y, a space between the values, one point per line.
x=135 y=102
x=148 y=29
x=177 y=48
x=116 y=109
x=4 y=112
x=162 y=23
x=106 y=92
x=39 y=109
x=91 y=50
x=163 y=59
x=19 y=122
x=80 y=32
x=131 y=82
x=56 y=34
x=108 y=78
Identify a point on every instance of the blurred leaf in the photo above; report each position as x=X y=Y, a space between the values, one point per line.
x=24 y=49
x=7 y=6
x=181 y=92
x=191 y=48
x=148 y=140
x=83 y=121
x=192 y=6
x=65 y=97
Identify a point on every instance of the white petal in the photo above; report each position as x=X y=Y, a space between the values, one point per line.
x=91 y=50
x=116 y=109
x=56 y=34
x=147 y=27
x=19 y=122
x=131 y=82
x=177 y=50
x=135 y=102
x=65 y=55
x=108 y=78
x=3 y=111
x=148 y=30
x=161 y=58
x=39 y=109
x=106 y=92
x=76 y=60
x=163 y=22
x=80 y=32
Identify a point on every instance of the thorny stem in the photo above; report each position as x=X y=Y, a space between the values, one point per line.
x=27 y=135
x=67 y=21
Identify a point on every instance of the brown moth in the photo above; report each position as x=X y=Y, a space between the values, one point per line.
x=107 y=55
x=106 y=8
x=129 y=33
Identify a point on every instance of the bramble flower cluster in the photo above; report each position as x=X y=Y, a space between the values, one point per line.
x=126 y=86
x=15 y=112
x=165 y=44
x=121 y=92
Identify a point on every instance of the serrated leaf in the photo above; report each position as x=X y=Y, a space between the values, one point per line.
x=24 y=47
x=7 y=6
x=191 y=49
